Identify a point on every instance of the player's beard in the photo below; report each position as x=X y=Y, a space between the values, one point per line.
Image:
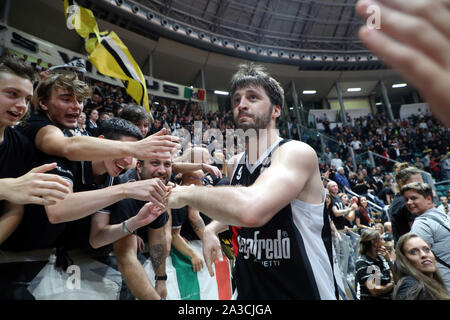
x=259 y=122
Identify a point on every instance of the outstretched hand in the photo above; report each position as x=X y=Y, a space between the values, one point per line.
x=151 y=190
x=158 y=145
x=35 y=187
x=414 y=39
x=212 y=169
x=173 y=198
x=148 y=213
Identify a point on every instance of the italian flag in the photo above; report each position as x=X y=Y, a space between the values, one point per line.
x=185 y=284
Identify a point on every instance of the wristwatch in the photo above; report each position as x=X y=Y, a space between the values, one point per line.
x=164 y=277
x=125 y=229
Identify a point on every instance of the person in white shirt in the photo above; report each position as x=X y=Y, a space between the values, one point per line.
x=336 y=161
x=356 y=144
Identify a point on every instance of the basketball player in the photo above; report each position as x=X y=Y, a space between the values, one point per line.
x=275 y=207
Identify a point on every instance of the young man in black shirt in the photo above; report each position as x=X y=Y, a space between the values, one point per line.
x=399 y=214
x=17 y=154
x=128 y=220
x=56 y=225
x=60 y=102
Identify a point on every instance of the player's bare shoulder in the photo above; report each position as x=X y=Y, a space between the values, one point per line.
x=296 y=153
x=300 y=159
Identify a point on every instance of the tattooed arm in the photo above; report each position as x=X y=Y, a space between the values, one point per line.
x=158 y=254
x=197 y=223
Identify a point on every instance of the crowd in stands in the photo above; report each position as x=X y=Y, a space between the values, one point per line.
x=415 y=225
x=420 y=142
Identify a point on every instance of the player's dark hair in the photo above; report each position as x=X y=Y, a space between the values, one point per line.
x=255 y=75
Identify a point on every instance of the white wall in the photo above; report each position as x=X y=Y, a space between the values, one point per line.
x=407 y=110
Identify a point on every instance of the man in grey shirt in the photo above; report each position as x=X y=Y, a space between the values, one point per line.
x=432 y=225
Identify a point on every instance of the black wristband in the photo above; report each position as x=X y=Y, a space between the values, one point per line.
x=164 y=277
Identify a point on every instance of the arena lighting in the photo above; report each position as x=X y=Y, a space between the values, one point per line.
x=309 y=91
x=379 y=103
x=277 y=53
x=223 y=93
x=399 y=85
x=353 y=89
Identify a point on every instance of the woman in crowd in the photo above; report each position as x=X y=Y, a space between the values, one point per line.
x=91 y=125
x=82 y=125
x=416 y=271
x=380 y=228
x=363 y=216
x=350 y=217
x=373 y=268
x=80 y=130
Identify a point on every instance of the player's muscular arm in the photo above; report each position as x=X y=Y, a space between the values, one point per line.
x=292 y=166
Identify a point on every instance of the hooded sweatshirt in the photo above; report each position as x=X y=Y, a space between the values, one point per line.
x=433 y=226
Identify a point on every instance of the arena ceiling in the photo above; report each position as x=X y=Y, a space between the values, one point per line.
x=316 y=35
x=318 y=26
x=312 y=43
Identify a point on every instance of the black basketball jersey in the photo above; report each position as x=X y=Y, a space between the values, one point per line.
x=286 y=258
